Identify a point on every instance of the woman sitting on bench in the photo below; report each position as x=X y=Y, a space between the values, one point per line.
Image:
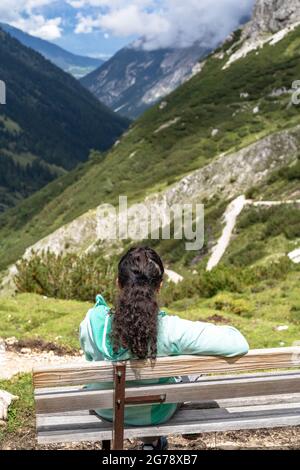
x=136 y=328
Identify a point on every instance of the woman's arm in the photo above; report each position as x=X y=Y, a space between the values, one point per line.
x=188 y=337
x=86 y=341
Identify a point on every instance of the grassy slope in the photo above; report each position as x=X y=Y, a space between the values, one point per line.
x=257 y=312
x=146 y=161
x=261 y=234
x=264 y=235
x=31 y=316
x=21 y=414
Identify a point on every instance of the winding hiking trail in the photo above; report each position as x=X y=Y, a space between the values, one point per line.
x=231 y=214
x=13 y=362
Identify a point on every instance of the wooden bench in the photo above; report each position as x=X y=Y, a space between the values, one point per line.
x=214 y=403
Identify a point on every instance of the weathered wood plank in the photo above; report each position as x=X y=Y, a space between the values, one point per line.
x=264 y=359
x=202 y=378
x=56 y=429
x=204 y=389
x=218 y=403
x=244 y=401
x=67 y=422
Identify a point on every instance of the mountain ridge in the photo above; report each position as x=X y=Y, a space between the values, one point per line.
x=217 y=114
x=37 y=138
x=134 y=79
x=75 y=64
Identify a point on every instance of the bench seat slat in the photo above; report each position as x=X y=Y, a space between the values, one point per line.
x=203 y=378
x=200 y=405
x=167 y=366
x=55 y=423
x=245 y=401
x=68 y=428
x=204 y=389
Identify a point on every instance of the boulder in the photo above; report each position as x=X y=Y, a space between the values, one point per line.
x=6 y=399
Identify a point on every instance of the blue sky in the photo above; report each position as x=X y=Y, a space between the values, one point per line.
x=101 y=27
x=96 y=43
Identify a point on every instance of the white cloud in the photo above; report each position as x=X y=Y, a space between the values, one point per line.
x=25 y=15
x=132 y=20
x=164 y=23
x=111 y=4
x=124 y=22
x=161 y=23
x=37 y=25
x=86 y=24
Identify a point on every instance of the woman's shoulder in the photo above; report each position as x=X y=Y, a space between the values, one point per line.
x=99 y=309
x=100 y=301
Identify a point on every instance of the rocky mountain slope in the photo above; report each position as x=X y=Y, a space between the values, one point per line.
x=134 y=78
x=48 y=124
x=258 y=160
x=271 y=16
x=230 y=130
x=76 y=65
x=271 y=21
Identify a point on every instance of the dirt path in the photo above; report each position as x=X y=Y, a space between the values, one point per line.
x=12 y=363
x=230 y=217
x=15 y=362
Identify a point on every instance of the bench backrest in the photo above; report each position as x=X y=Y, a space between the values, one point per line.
x=61 y=399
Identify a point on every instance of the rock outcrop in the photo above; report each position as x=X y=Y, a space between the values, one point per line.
x=271 y=21
x=227 y=176
x=271 y=16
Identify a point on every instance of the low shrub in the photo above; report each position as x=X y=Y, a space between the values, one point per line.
x=226 y=302
x=282 y=219
x=204 y=284
x=289 y=173
x=248 y=255
x=83 y=277
x=275 y=270
x=67 y=276
x=295 y=314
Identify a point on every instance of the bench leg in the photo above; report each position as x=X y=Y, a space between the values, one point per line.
x=105 y=445
x=119 y=405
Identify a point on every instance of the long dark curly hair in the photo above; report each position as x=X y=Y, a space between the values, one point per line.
x=135 y=319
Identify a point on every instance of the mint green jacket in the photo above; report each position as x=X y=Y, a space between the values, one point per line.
x=175 y=337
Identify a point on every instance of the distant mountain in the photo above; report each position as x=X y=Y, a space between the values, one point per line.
x=48 y=124
x=77 y=65
x=134 y=79
x=229 y=131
